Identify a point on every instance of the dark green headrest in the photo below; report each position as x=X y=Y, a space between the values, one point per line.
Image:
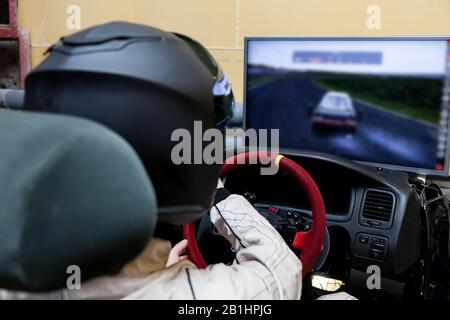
x=72 y=192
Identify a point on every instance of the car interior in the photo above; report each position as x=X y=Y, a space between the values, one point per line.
x=374 y=171
x=382 y=175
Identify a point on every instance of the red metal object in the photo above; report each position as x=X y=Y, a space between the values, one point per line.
x=11 y=31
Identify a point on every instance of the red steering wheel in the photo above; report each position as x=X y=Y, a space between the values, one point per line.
x=310 y=242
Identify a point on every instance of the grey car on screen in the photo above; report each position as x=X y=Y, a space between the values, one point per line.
x=335 y=111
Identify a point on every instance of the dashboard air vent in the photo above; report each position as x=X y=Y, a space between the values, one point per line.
x=378 y=205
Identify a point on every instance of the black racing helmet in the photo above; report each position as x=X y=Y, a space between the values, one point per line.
x=223 y=94
x=143 y=83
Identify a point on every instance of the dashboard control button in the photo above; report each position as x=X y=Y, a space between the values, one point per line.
x=377 y=249
x=274 y=210
x=363 y=239
x=308 y=225
x=376 y=253
x=251 y=197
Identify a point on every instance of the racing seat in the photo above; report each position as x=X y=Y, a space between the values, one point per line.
x=72 y=192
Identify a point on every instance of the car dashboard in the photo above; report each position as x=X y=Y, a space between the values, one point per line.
x=373 y=214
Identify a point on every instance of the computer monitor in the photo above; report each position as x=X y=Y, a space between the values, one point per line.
x=380 y=101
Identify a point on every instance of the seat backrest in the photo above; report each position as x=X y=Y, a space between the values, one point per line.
x=72 y=193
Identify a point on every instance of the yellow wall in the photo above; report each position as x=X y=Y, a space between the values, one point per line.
x=222 y=24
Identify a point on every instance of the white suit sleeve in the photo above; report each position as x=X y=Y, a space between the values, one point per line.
x=264 y=268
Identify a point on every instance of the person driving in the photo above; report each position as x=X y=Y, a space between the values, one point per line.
x=158 y=82
x=144 y=83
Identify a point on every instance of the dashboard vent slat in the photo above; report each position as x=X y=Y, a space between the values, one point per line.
x=376 y=201
x=378 y=205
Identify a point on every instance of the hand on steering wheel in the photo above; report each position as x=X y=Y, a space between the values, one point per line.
x=309 y=243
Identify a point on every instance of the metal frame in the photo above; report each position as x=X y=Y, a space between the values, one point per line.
x=419 y=171
x=12 y=31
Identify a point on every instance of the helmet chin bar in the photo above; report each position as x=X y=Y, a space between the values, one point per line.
x=309 y=243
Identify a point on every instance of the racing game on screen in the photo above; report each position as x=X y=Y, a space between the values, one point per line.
x=377 y=101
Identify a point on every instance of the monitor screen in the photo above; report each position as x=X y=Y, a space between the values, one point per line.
x=378 y=101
